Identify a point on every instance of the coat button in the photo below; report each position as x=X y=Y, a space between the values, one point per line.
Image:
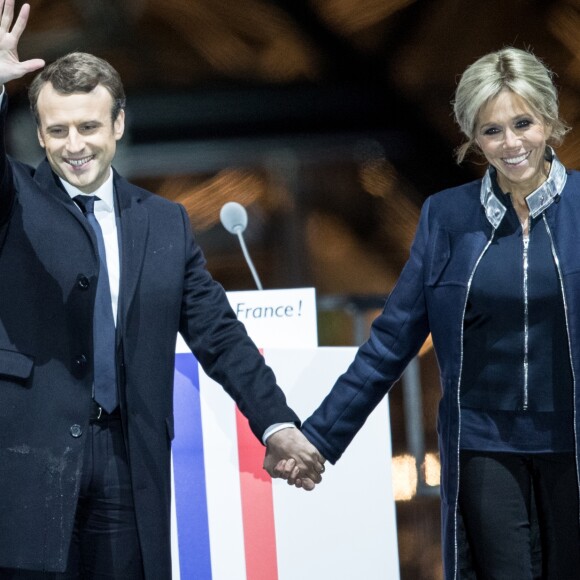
x=76 y=431
x=83 y=282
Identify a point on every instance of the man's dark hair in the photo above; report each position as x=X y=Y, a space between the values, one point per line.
x=78 y=72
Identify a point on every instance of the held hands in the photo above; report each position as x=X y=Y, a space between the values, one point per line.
x=290 y=456
x=10 y=66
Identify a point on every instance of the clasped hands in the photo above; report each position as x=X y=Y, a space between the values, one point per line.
x=290 y=456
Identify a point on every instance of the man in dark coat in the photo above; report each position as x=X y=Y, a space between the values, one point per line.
x=84 y=485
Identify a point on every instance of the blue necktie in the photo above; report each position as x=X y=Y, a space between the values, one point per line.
x=105 y=380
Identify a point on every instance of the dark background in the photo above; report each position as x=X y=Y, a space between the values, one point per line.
x=330 y=120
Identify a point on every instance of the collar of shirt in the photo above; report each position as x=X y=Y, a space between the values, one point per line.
x=537 y=201
x=104 y=192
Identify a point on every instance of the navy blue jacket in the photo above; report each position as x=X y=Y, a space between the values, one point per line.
x=455 y=228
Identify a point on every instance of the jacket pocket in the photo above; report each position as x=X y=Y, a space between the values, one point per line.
x=454 y=255
x=15 y=365
x=439 y=257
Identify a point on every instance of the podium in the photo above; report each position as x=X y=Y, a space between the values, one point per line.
x=230 y=520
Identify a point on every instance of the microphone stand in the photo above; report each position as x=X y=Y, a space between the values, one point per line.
x=235 y=219
x=238 y=231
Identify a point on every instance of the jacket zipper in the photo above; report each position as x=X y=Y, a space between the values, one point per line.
x=561 y=280
x=526 y=244
x=456 y=510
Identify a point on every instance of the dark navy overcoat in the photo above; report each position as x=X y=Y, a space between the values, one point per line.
x=48 y=275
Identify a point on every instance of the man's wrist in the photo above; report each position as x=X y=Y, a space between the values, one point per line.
x=274 y=429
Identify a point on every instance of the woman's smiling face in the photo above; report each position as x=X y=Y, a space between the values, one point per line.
x=512 y=136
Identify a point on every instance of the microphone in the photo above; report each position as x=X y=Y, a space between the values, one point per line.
x=235 y=219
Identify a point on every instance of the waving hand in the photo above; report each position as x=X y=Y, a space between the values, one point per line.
x=10 y=65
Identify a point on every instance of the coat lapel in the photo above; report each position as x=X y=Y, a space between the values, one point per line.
x=134 y=225
x=50 y=183
x=133 y=222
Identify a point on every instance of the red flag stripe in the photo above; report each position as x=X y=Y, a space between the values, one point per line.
x=257 y=506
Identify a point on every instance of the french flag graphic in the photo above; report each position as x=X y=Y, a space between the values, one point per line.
x=231 y=522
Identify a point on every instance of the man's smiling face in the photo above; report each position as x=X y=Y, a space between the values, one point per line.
x=78 y=135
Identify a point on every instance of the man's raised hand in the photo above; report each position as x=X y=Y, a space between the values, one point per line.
x=10 y=66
